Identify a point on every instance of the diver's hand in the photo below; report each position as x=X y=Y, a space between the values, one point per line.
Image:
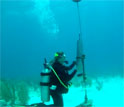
x=83 y=56
x=74 y=62
x=75 y=71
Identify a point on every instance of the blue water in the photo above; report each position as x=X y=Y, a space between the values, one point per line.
x=32 y=30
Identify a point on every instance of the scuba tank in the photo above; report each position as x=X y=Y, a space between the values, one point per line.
x=45 y=83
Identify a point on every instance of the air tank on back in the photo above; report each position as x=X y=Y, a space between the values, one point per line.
x=45 y=83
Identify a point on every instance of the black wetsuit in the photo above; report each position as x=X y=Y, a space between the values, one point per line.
x=62 y=72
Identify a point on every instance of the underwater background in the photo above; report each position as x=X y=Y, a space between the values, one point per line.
x=32 y=30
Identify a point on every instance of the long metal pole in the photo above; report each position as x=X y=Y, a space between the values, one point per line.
x=79 y=20
x=80 y=35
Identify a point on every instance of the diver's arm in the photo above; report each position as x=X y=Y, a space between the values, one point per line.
x=71 y=66
x=71 y=75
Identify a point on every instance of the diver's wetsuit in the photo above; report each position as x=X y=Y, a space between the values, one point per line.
x=62 y=72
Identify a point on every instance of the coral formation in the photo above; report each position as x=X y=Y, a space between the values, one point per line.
x=22 y=92
x=6 y=91
x=13 y=92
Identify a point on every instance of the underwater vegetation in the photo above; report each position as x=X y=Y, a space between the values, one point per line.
x=12 y=93
x=22 y=92
x=7 y=92
x=99 y=84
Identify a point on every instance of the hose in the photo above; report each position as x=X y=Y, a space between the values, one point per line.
x=61 y=82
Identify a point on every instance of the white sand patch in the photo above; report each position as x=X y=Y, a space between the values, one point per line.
x=110 y=95
x=35 y=96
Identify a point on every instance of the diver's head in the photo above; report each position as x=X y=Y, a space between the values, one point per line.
x=60 y=57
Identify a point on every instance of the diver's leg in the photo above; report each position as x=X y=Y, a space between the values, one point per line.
x=57 y=98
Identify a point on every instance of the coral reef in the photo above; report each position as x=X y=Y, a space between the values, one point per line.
x=22 y=92
x=6 y=91
x=12 y=92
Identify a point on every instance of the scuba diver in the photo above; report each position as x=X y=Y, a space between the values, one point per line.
x=57 y=88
